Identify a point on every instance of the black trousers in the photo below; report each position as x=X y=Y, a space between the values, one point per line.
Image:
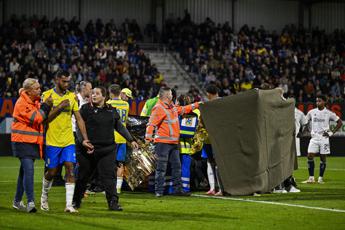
x=105 y=164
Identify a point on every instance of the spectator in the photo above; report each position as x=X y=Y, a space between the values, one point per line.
x=292 y=59
x=102 y=54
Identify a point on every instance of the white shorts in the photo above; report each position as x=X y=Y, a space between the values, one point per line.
x=319 y=145
x=298 y=146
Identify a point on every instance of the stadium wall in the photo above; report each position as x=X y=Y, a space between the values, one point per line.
x=272 y=14
x=116 y=9
x=328 y=16
x=220 y=11
x=51 y=8
x=85 y=9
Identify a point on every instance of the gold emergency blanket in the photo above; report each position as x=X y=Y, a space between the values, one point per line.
x=142 y=162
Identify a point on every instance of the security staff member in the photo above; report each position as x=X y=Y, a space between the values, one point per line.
x=100 y=120
x=164 y=129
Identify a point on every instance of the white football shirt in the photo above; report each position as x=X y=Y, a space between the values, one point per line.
x=320 y=121
x=300 y=120
x=81 y=101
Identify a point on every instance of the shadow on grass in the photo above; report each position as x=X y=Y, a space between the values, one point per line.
x=162 y=216
x=100 y=212
x=53 y=218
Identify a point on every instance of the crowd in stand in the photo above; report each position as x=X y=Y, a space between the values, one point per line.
x=303 y=63
x=103 y=54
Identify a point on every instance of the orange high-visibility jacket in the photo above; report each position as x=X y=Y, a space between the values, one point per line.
x=164 y=125
x=27 y=125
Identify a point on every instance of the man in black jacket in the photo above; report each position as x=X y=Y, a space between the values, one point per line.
x=100 y=120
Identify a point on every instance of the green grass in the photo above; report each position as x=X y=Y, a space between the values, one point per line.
x=144 y=211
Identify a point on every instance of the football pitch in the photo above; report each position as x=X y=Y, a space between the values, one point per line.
x=318 y=206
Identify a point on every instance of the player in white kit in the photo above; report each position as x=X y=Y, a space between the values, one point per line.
x=300 y=121
x=319 y=120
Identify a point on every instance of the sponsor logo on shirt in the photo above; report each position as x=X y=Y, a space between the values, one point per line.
x=318 y=119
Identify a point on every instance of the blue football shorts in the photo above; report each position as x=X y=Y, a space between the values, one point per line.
x=56 y=156
x=121 y=152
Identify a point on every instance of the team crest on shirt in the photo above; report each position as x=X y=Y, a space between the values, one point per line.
x=189 y=122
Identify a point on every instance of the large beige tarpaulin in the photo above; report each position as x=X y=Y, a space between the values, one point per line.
x=252 y=135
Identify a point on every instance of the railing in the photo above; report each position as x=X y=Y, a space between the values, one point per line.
x=190 y=79
x=159 y=47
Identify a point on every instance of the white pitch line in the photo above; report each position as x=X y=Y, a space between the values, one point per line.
x=273 y=203
x=17 y=167
x=329 y=169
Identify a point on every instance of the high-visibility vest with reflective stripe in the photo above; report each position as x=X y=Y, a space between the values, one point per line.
x=27 y=125
x=186 y=146
x=149 y=104
x=188 y=125
x=164 y=125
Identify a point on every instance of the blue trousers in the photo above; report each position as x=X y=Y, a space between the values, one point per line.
x=25 y=181
x=167 y=153
x=186 y=161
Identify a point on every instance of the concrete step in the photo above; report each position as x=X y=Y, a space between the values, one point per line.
x=173 y=73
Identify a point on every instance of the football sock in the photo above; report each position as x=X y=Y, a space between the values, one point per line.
x=69 y=193
x=210 y=174
x=119 y=183
x=322 y=168
x=46 y=186
x=311 y=166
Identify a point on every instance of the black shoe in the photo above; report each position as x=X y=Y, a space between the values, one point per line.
x=97 y=189
x=34 y=210
x=31 y=207
x=181 y=193
x=76 y=205
x=293 y=181
x=114 y=206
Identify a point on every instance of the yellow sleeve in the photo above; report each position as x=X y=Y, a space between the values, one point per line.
x=144 y=110
x=127 y=111
x=45 y=95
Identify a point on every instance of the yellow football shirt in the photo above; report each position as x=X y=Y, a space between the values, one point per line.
x=122 y=108
x=59 y=132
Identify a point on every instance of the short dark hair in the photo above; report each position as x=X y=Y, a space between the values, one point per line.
x=163 y=90
x=115 y=89
x=174 y=94
x=322 y=97
x=212 y=89
x=62 y=73
x=182 y=100
x=81 y=85
x=103 y=91
x=265 y=86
